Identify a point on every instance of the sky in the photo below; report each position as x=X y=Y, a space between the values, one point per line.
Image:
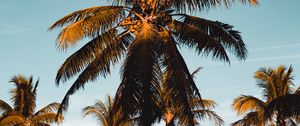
x=270 y=31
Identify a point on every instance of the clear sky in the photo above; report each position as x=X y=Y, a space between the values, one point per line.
x=270 y=31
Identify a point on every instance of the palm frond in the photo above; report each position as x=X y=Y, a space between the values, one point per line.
x=207 y=103
x=275 y=82
x=100 y=65
x=47 y=118
x=5 y=107
x=84 y=56
x=223 y=33
x=210 y=115
x=87 y=23
x=12 y=120
x=196 y=71
x=265 y=81
x=97 y=113
x=35 y=86
x=246 y=103
x=251 y=118
x=197 y=39
x=138 y=91
x=286 y=80
x=288 y=105
x=22 y=96
x=196 y=5
x=53 y=107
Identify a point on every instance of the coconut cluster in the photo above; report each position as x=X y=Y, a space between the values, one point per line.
x=132 y=24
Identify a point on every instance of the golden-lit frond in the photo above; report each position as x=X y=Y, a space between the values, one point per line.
x=13 y=120
x=246 y=103
x=90 y=26
x=275 y=82
x=81 y=14
x=97 y=113
x=208 y=104
x=47 y=118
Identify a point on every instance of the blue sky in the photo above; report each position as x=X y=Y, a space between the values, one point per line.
x=270 y=31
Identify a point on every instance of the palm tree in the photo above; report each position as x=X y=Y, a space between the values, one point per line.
x=102 y=112
x=23 y=111
x=201 y=108
x=276 y=83
x=147 y=33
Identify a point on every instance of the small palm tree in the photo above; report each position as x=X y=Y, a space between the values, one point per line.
x=23 y=112
x=200 y=107
x=103 y=113
x=276 y=83
x=147 y=33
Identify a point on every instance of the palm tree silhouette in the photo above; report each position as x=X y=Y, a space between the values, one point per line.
x=147 y=33
x=276 y=83
x=23 y=111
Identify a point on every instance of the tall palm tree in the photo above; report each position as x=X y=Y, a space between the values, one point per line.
x=200 y=107
x=23 y=111
x=276 y=83
x=103 y=113
x=147 y=33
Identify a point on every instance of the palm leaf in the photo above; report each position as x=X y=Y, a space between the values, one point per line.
x=196 y=71
x=12 y=120
x=203 y=103
x=22 y=95
x=210 y=115
x=197 y=39
x=97 y=113
x=85 y=55
x=100 y=65
x=246 y=103
x=5 y=107
x=251 y=118
x=195 y=5
x=265 y=81
x=53 y=107
x=46 y=118
x=223 y=33
x=288 y=105
x=88 y=22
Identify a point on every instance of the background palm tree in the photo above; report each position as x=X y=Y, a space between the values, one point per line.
x=147 y=33
x=200 y=107
x=103 y=113
x=23 y=110
x=276 y=83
